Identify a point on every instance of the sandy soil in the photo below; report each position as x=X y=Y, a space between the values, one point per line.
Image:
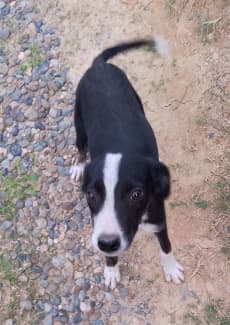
x=186 y=98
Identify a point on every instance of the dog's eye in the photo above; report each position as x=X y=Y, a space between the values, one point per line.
x=91 y=196
x=137 y=195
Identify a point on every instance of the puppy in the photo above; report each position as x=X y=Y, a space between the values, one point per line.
x=124 y=182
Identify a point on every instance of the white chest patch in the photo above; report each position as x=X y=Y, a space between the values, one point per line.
x=106 y=221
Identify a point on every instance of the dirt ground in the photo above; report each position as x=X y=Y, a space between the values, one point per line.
x=186 y=99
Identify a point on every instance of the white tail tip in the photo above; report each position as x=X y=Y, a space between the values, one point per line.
x=162 y=47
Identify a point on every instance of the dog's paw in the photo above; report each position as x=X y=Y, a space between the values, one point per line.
x=173 y=271
x=112 y=276
x=76 y=171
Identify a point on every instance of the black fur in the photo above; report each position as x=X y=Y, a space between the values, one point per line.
x=109 y=118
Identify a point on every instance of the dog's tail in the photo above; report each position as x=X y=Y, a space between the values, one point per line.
x=156 y=45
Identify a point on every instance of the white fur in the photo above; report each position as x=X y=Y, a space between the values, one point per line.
x=112 y=276
x=105 y=222
x=77 y=171
x=172 y=269
x=162 y=47
x=149 y=227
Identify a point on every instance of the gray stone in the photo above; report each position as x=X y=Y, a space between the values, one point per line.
x=2 y=4
x=41 y=223
x=15 y=131
x=26 y=305
x=40 y=145
x=44 y=283
x=3 y=69
x=6 y=225
x=124 y=292
x=15 y=149
x=4 y=34
x=16 y=95
x=20 y=204
x=31 y=115
x=48 y=320
x=39 y=306
x=76 y=318
x=39 y=125
x=64 y=124
x=97 y=322
x=55 y=300
x=115 y=307
x=8 y=121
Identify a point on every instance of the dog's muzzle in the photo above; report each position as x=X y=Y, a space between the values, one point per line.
x=109 y=243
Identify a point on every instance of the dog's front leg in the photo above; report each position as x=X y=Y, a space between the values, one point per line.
x=111 y=272
x=172 y=269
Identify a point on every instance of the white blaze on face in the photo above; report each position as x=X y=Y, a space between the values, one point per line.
x=106 y=222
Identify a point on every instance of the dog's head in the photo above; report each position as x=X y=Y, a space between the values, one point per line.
x=118 y=190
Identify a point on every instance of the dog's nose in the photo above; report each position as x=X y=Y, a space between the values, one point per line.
x=109 y=243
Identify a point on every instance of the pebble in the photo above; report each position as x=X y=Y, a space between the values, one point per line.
x=4 y=34
x=15 y=149
x=26 y=305
x=55 y=300
x=41 y=223
x=115 y=307
x=15 y=131
x=6 y=225
x=48 y=320
x=124 y=292
x=76 y=318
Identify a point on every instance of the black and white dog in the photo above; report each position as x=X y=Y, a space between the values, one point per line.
x=125 y=183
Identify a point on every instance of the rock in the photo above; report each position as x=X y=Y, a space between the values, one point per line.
x=19 y=117
x=38 y=24
x=55 y=300
x=41 y=223
x=4 y=34
x=3 y=69
x=60 y=161
x=26 y=305
x=6 y=225
x=39 y=125
x=31 y=115
x=68 y=205
x=15 y=96
x=8 y=121
x=76 y=318
x=15 y=149
x=36 y=269
x=124 y=292
x=2 y=4
x=115 y=307
x=8 y=322
x=40 y=145
x=29 y=100
x=15 y=131
x=39 y=306
x=97 y=322
x=85 y=307
x=48 y=320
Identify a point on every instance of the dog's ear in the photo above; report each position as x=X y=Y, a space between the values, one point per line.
x=160 y=180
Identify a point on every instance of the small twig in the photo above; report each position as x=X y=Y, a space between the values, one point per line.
x=212 y=22
x=196 y=270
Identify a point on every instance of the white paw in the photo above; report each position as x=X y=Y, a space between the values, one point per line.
x=112 y=276
x=173 y=271
x=76 y=171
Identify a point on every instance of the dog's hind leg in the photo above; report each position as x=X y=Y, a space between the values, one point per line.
x=77 y=169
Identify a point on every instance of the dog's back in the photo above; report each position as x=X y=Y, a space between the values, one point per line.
x=112 y=111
